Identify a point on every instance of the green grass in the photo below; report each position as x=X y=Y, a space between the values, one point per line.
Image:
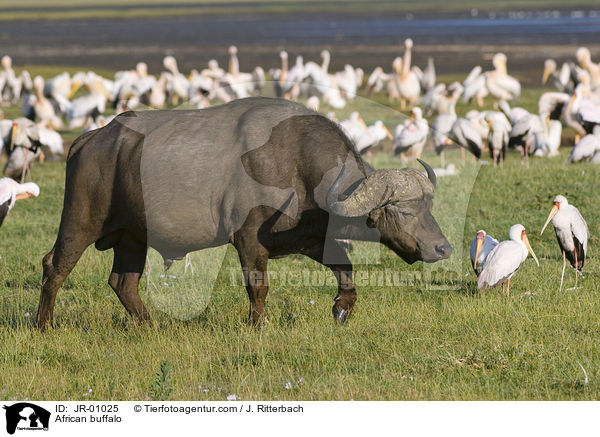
x=423 y=339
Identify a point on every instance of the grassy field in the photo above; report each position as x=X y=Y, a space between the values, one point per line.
x=422 y=338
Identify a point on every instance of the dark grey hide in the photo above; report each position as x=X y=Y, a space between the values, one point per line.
x=266 y=175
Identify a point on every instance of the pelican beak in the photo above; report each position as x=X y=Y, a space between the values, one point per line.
x=23 y=196
x=571 y=100
x=525 y=241
x=553 y=212
x=13 y=135
x=74 y=88
x=412 y=116
x=388 y=133
x=477 y=250
x=546 y=75
x=548 y=121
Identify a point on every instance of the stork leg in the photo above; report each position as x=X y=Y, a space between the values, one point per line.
x=508 y=287
x=562 y=276
x=576 y=268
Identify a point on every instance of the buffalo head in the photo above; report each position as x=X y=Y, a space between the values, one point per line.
x=398 y=204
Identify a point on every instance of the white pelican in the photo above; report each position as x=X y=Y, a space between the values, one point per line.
x=412 y=135
x=585 y=60
x=11 y=191
x=348 y=81
x=499 y=83
x=377 y=80
x=505 y=259
x=586 y=147
x=372 y=136
x=474 y=86
x=428 y=79
x=354 y=126
x=480 y=248
x=177 y=83
x=409 y=86
x=449 y=170
x=40 y=107
x=571 y=232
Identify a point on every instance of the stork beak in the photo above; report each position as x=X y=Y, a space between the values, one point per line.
x=74 y=88
x=546 y=75
x=23 y=196
x=477 y=250
x=362 y=121
x=13 y=135
x=525 y=241
x=553 y=212
x=388 y=133
x=571 y=100
x=104 y=90
x=412 y=116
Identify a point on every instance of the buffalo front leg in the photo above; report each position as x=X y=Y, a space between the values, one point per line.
x=128 y=265
x=254 y=259
x=332 y=255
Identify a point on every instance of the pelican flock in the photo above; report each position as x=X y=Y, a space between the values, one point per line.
x=85 y=101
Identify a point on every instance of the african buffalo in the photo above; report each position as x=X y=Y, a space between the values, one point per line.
x=267 y=175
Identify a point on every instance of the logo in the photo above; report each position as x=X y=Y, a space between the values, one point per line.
x=26 y=416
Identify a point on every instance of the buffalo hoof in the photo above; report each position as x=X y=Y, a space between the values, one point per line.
x=339 y=314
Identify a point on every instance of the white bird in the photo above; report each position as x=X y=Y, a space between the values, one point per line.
x=354 y=126
x=413 y=135
x=563 y=80
x=480 y=248
x=498 y=136
x=586 y=147
x=449 y=170
x=505 y=259
x=51 y=141
x=465 y=134
x=571 y=232
x=90 y=105
x=11 y=191
x=373 y=135
x=408 y=83
x=474 y=86
x=499 y=83
x=440 y=131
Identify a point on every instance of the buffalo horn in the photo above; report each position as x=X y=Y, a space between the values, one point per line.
x=430 y=173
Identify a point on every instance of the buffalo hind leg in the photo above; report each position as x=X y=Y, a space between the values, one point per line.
x=128 y=265
x=57 y=265
x=337 y=260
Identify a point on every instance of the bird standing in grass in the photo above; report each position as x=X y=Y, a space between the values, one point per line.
x=505 y=259
x=11 y=191
x=571 y=232
x=480 y=248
